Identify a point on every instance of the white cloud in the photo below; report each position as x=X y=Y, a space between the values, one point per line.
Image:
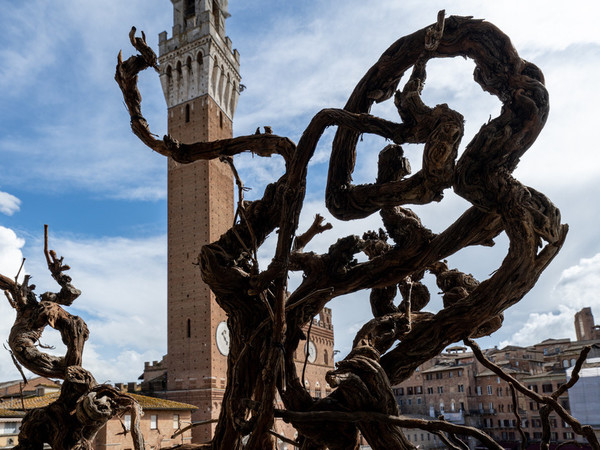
x=123 y=301
x=10 y=261
x=10 y=252
x=9 y=204
x=577 y=287
x=125 y=366
x=538 y=326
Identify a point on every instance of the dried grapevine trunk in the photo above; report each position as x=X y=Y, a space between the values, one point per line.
x=83 y=406
x=266 y=321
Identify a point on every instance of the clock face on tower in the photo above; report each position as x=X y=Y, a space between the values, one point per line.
x=223 y=338
x=312 y=352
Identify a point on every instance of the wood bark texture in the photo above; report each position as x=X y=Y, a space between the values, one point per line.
x=266 y=320
x=83 y=406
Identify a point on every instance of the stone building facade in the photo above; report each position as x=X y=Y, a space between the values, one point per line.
x=161 y=420
x=456 y=386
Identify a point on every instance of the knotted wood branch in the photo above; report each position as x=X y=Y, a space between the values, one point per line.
x=257 y=302
x=83 y=406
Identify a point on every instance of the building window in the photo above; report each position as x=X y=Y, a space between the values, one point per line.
x=409 y=402
x=317 y=392
x=430 y=390
x=491 y=407
x=189 y=328
x=190 y=8
x=221 y=119
x=418 y=400
x=127 y=421
x=547 y=387
x=176 y=421
x=10 y=428
x=460 y=372
x=450 y=374
x=409 y=390
x=153 y=422
x=187 y=113
x=440 y=389
x=439 y=376
x=489 y=390
x=418 y=389
x=215 y=12
x=325 y=357
x=461 y=388
x=478 y=390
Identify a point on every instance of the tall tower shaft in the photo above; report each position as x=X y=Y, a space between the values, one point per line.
x=199 y=74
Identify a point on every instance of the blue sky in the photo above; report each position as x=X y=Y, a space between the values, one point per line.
x=69 y=159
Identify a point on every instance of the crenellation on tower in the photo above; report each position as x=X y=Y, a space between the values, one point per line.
x=198 y=59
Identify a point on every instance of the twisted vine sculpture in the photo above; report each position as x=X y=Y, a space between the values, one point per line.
x=83 y=406
x=266 y=322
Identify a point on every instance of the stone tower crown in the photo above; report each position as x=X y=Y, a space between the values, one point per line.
x=198 y=59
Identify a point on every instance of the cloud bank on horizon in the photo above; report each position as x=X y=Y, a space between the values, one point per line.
x=70 y=160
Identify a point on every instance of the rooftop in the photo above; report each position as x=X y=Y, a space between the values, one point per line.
x=147 y=403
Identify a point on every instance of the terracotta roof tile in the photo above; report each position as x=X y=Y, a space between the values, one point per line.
x=11 y=413
x=160 y=403
x=147 y=403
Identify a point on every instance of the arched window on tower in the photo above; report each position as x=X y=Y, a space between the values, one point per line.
x=325 y=357
x=216 y=15
x=227 y=92
x=190 y=8
x=221 y=87
x=169 y=73
x=215 y=75
x=187 y=117
x=221 y=119
x=232 y=98
x=189 y=328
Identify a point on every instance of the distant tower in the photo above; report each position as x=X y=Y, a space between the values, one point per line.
x=584 y=325
x=200 y=78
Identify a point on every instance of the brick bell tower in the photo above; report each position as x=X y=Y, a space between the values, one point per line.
x=199 y=74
